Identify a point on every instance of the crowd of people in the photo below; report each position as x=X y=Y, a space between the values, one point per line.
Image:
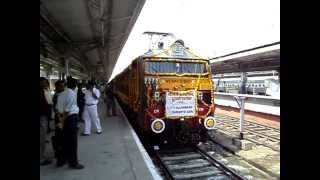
x=69 y=106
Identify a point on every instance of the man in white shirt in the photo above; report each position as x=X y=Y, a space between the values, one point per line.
x=90 y=112
x=68 y=114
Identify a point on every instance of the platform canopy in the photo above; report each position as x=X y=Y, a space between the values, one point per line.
x=88 y=34
x=263 y=58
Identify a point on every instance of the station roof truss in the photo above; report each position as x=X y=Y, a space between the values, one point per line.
x=49 y=65
x=263 y=58
x=90 y=32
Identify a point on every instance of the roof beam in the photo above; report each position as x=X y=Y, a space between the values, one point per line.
x=64 y=44
x=115 y=20
x=52 y=23
x=105 y=32
x=96 y=5
x=87 y=45
x=133 y=19
x=104 y=19
x=84 y=42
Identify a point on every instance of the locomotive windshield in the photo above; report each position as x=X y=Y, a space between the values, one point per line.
x=175 y=67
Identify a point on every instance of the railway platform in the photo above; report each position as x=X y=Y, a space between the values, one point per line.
x=260 y=104
x=115 y=154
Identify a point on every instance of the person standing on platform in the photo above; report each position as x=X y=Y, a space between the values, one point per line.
x=57 y=139
x=48 y=97
x=68 y=116
x=45 y=114
x=110 y=100
x=90 y=112
x=102 y=90
x=80 y=101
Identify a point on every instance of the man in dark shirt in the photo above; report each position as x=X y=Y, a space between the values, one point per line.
x=80 y=101
x=110 y=100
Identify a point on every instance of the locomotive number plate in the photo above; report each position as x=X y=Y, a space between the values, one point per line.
x=180 y=104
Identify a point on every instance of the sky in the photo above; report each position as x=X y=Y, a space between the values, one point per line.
x=209 y=28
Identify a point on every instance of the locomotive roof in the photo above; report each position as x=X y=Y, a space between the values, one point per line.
x=175 y=51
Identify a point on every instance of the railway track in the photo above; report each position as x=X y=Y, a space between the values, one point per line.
x=254 y=132
x=193 y=163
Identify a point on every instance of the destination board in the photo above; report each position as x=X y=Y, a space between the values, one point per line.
x=180 y=104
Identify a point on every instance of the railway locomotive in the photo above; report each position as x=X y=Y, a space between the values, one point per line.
x=168 y=95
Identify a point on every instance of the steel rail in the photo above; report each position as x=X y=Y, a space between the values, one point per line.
x=197 y=154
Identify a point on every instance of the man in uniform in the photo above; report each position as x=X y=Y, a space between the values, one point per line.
x=90 y=112
x=68 y=115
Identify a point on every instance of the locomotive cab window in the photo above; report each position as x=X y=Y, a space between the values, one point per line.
x=175 y=67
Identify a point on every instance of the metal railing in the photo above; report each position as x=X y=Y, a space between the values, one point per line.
x=248 y=96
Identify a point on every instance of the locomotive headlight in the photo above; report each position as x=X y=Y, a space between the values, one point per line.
x=158 y=126
x=209 y=123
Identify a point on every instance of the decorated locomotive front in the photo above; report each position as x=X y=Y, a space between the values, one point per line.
x=179 y=95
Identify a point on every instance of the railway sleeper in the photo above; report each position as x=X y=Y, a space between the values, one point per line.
x=273 y=143
x=250 y=136
x=272 y=139
x=263 y=139
x=259 y=129
x=272 y=130
x=266 y=138
x=274 y=134
x=198 y=173
x=251 y=126
x=181 y=157
x=183 y=161
x=245 y=132
x=228 y=128
x=189 y=165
